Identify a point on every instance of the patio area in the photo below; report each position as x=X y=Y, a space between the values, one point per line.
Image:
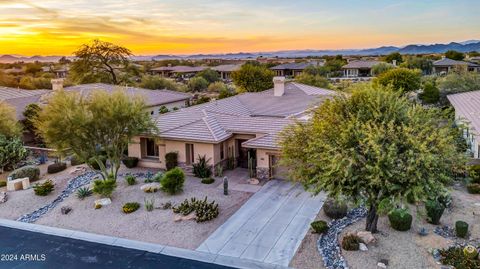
x=269 y=227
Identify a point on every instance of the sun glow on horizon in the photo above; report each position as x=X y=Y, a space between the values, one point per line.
x=53 y=27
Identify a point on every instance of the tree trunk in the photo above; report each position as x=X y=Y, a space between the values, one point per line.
x=372 y=219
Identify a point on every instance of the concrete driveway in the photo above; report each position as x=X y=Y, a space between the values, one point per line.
x=269 y=227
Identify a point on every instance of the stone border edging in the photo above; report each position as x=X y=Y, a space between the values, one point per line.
x=139 y=245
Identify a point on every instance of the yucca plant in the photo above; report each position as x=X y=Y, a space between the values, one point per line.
x=84 y=192
x=149 y=204
x=201 y=169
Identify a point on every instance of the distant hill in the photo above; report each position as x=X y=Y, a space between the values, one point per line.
x=465 y=46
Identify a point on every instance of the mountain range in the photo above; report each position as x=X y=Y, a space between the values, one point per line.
x=465 y=46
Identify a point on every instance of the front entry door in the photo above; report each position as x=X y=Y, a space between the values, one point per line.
x=242 y=154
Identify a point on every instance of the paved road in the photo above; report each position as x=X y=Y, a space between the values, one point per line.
x=269 y=227
x=21 y=249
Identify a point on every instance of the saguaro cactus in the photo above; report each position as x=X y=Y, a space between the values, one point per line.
x=225 y=186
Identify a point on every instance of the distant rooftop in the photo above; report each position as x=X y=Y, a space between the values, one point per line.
x=359 y=64
x=20 y=98
x=297 y=66
x=180 y=68
x=450 y=62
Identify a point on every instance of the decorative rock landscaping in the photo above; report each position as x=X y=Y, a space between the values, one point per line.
x=328 y=243
x=72 y=186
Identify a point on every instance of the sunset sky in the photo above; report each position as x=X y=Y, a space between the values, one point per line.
x=54 y=27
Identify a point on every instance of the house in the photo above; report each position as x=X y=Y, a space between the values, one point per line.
x=58 y=71
x=20 y=98
x=225 y=70
x=241 y=131
x=445 y=65
x=467 y=112
x=156 y=100
x=358 y=68
x=182 y=71
x=294 y=69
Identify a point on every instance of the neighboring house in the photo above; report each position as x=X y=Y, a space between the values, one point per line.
x=294 y=69
x=155 y=99
x=59 y=71
x=177 y=71
x=358 y=68
x=20 y=98
x=475 y=59
x=467 y=112
x=242 y=130
x=225 y=70
x=445 y=65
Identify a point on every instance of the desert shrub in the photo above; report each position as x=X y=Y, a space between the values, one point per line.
x=75 y=160
x=470 y=252
x=208 y=180
x=56 y=167
x=171 y=160
x=335 y=209
x=131 y=180
x=434 y=211
x=30 y=171
x=130 y=162
x=474 y=173
x=430 y=94
x=149 y=204
x=351 y=242
x=219 y=170
x=454 y=256
x=44 y=189
x=163 y=110
x=319 y=226
x=201 y=169
x=105 y=187
x=3 y=184
x=400 y=219
x=473 y=188
x=130 y=207
x=461 y=229
x=173 y=181
x=92 y=163
x=166 y=205
x=157 y=177
x=84 y=192
x=204 y=210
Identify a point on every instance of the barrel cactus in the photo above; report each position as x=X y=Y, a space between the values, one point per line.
x=470 y=252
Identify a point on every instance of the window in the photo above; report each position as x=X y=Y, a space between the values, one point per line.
x=151 y=148
x=222 y=151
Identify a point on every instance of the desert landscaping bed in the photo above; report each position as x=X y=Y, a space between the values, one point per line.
x=400 y=249
x=157 y=226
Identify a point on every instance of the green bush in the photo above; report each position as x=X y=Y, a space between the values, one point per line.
x=56 y=167
x=474 y=173
x=430 y=94
x=201 y=169
x=149 y=204
x=3 y=184
x=157 y=177
x=171 y=160
x=455 y=257
x=30 y=171
x=208 y=180
x=461 y=229
x=173 y=181
x=400 y=219
x=473 y=188
x=335 y=209
x=130 y=207
x=75 y=160
x=319 y=226
x=204 y=210
x=83 y=193
x=92 y=163
x=105 y=187
x=44 y=189
x=131 y=180
x=130 y=162
x=351 y=242
x=434 y=211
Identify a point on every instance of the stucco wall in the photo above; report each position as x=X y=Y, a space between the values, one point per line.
x=198 y=149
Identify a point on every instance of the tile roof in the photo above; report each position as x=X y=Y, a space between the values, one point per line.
x=358 y=64
x=467 y=106
x=297 y=66
x=152 y=97
x=450 y=62
x=180 y=68
x=11 y=93
x=226 y=67
x=20 y=98
x=254 y=113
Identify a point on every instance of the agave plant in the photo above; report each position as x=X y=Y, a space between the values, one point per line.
x=84 y=192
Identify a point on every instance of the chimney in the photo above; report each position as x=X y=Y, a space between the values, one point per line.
x=394 y=62
x=278 y=86
x=57 y=84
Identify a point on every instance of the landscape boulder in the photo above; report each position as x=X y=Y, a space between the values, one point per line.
x=366 y=237
x=102 y=202
x=65 y=210
x=253 y=181
x=151 y=187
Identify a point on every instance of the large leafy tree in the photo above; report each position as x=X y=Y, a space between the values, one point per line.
x=209 y=74
x=394 y=56
x=9 y=126
x=100 y=61
x=401 y=79
x=31 y=114
x=90 y=126
x=455 y=55
x=372 y=146
x=253 y=78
